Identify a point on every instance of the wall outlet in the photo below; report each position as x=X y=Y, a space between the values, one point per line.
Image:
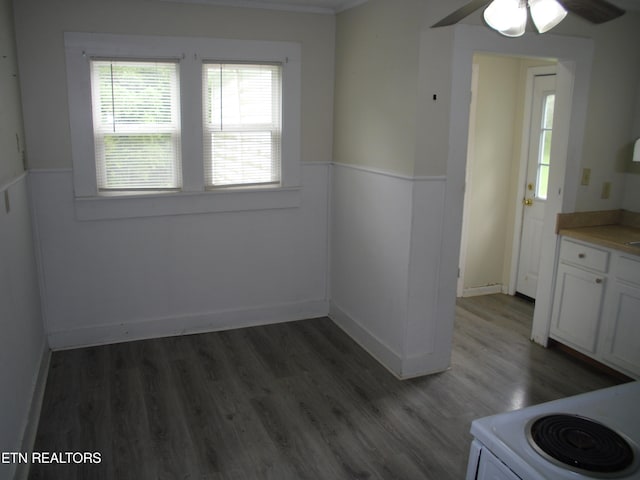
x=586 y=176
x=606 y=190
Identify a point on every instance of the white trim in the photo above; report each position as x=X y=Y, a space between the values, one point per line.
x=33 y=418
x=288 y=7
x=12 y=182
x=485 y=290
x=575 y=57
x=190 y=51
x=379 y=350
x=402 y=368
x=329 y=232
x=50 y=170
x=464 y=240
x=185 y=203
x=388 y=173
x=259 y=5
x=315 y=164
x=146 y=328
x=413 y=365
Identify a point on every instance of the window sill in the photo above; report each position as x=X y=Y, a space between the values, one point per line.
x=185 y=203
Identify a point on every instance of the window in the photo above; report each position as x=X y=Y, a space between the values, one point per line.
x=241 y=124
x=136 y=125
x=195 y=124
x=544 y=157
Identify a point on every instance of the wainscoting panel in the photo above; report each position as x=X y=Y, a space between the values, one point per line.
x=386 y=235
x=23 y=347
x=114 y=280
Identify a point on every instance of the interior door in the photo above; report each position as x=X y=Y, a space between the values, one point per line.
x=537 y=181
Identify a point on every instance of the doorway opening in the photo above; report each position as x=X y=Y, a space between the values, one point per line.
x=575 y=58
x=506 y=181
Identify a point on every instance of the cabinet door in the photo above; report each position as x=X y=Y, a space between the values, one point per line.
x=621 y=328
x=576 y=307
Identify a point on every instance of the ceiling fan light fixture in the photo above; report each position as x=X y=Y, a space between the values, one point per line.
x=546 y=14
x=508 y=17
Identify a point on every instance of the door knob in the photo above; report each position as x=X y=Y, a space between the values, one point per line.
x=527 y=202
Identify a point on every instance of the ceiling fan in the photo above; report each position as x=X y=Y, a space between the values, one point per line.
x=509 y=17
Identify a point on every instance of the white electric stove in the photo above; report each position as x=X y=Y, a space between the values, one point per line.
x=593 y=435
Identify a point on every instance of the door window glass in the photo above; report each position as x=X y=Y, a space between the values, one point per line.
x=544 y=155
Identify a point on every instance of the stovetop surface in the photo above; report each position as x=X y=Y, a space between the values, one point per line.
x=505 y=434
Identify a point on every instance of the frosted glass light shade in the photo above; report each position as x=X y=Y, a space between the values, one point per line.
x=546 y=14
x=508 y=17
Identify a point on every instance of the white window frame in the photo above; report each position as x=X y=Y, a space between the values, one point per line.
x=274 y=127
x=190 y=52
x=115 y=128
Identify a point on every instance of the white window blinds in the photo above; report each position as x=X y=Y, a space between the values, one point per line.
x=136 y=125
x=242 y=124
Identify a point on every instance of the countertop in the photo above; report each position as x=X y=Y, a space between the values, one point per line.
x=610 y=236
x=612 y=229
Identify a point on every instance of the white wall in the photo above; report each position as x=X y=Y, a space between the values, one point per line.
x=384 y=274
x=371 y=227
x=386 y=221
x=375 y=104
x=608 y=133
x=497 y=129
x=115 y=280
x=494 y=172
x=418 y=135
x=631 y=199
x=40 y=25
x=120 y=279
x=11 y=132
x=23 y=348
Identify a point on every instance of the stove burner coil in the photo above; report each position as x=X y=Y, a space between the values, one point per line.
x=581 y=444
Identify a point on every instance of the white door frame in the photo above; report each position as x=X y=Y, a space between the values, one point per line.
x=574 y=71
x=522 y=174
x=468 y=173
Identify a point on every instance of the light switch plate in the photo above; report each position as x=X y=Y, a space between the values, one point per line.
x=606 y=190
x=586 y=176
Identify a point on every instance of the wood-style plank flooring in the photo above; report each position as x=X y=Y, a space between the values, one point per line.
x=293 y=401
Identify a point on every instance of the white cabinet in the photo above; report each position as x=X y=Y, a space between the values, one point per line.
x=620 y=344
x=576 y=311
x=596 y=306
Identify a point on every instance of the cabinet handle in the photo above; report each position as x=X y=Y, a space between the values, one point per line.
x=581 y=255
x=598 y=280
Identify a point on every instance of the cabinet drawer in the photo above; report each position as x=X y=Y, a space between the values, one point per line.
x=584 y=256
x=628 y=270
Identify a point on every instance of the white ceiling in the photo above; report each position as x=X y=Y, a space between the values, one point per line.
x=334 y=6
x=310 y=6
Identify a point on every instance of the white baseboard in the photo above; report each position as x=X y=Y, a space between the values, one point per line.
x=485 y=290
x=187 y=324
x=403 y=368
x=391 y=360
x=33 y=418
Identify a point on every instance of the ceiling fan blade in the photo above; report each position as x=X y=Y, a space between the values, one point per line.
x=462 y=12
x=595 y=11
